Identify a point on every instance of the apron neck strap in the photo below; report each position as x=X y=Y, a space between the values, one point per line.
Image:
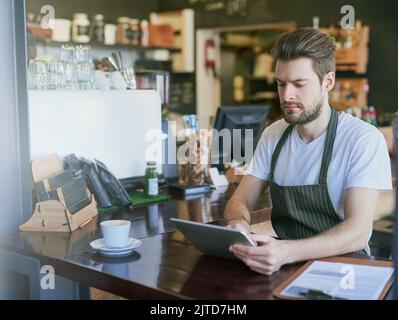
x=327 y=152
x=278 y=149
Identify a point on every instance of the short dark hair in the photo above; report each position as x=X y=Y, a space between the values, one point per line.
x=310 y=43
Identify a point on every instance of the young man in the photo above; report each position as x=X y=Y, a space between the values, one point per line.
x=325 y=169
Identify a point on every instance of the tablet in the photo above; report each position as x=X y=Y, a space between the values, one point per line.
x=211 y=239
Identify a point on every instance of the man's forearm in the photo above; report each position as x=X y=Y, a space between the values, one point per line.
x=236 y=209
x=341 y=239
x=244 y=199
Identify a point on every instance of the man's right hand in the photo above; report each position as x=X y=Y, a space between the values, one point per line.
x=240 y=224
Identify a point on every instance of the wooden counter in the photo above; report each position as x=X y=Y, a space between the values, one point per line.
x=165 y=266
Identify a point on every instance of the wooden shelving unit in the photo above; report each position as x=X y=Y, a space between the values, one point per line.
x=351 y=48
x=352 y=56
x=349 y=93
x=182 y=22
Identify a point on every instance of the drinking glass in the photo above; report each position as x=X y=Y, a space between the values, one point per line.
x=31 y=75
x=69 y=66
x=61 y=78
x=85 y=68
x=67 y=52
x=39 y=76
x=52 y=75
x=82 y=53
x=129 y=77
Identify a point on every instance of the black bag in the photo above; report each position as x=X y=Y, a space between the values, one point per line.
x=95 y=184
x=113 y=185
x=73 y=163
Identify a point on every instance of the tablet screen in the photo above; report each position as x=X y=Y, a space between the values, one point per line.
x=212 y=239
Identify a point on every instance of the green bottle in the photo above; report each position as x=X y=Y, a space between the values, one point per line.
x=151 y=188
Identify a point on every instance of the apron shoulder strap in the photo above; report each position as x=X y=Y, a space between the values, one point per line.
x=327 y=152
x=278 y=149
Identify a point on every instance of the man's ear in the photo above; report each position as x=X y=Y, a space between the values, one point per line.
x=329 y=81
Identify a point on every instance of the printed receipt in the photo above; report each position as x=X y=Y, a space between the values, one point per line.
x=341 y=280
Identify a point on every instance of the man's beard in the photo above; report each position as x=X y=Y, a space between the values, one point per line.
x=305 y=116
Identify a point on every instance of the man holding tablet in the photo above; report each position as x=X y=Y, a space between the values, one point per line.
x=325 y=169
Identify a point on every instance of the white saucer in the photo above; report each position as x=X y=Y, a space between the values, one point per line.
x=116 y=254
x=99 y=245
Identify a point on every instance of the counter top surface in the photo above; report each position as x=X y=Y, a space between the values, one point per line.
x=165 y=266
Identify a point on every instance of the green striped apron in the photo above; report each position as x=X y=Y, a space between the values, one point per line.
x=304 y=211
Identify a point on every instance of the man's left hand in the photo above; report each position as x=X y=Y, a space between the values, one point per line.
x=266 y=258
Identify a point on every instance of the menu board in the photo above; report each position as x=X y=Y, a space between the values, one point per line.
x=182 y=93
x=214 y=13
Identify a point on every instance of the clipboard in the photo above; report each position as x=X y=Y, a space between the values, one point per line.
x=277 y=293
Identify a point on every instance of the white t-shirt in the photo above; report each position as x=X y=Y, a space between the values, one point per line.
x=359 y=159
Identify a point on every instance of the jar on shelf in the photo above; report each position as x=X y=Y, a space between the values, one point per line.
x=61 y=31
x=110 y=34
x=80 y=28
x=151 y=187
x=134 y=34
x=123 y=30
x=98 y=29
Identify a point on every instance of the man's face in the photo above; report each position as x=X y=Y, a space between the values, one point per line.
x=300 y=92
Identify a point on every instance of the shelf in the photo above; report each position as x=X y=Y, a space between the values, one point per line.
x=253 y=78
x=340 y=74
x=268 y=80
x=183 y=72
x=355 y=57
x=349 y=93
x=263 y=95
x=235 y=46
x=115 y=46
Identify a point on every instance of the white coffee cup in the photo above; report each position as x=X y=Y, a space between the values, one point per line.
x=115 y=233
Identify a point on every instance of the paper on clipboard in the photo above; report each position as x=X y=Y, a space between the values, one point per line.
x=341 y=280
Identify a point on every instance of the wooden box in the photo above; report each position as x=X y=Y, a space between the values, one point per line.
x=161 y=36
